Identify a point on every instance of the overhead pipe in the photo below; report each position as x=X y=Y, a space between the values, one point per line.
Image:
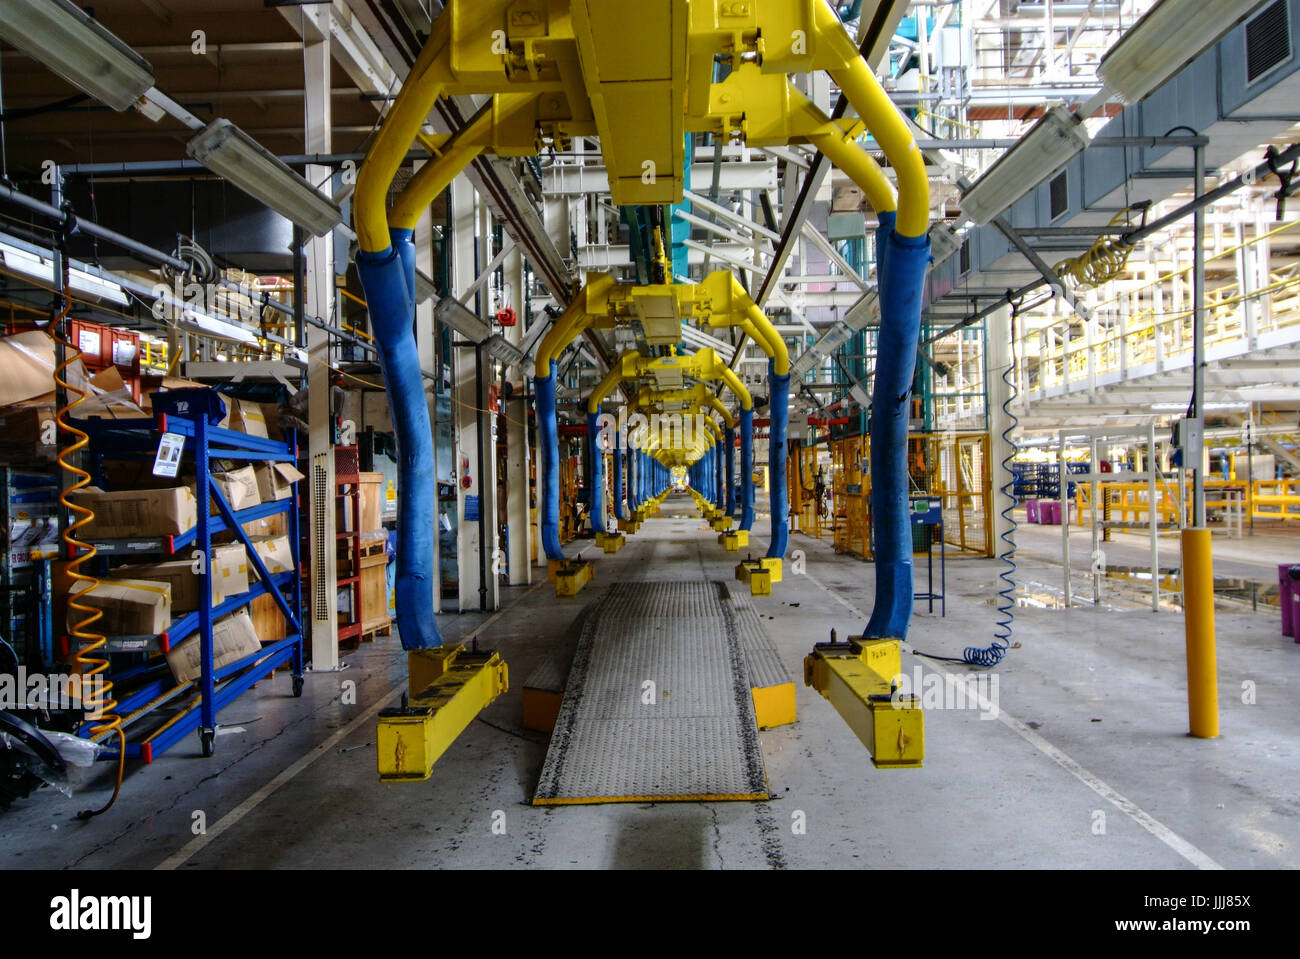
x=902 y=253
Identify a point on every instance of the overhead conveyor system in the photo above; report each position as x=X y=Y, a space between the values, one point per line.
x=554 y=70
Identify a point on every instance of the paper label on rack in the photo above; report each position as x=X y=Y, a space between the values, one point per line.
x=123 y=353
x=168 y=460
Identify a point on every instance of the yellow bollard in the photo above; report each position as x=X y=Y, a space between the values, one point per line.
x=1198 y=625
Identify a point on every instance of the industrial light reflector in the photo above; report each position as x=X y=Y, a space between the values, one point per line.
x=1049 y=145
x=424 y=288
x=943 y=243
x=1168 y=37
x=230 y=152
x=865 y=312
x=451 y=312
x=68 y=41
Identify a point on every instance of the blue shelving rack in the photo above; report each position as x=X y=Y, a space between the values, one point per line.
x=28 y=523
x=143 y=684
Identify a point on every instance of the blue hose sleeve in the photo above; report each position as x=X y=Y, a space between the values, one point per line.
x=548 y=440
x=746 y=469
x=729 y=441
x=901 y=263
x=387 y=278
x=596 y=498
x=776 y=458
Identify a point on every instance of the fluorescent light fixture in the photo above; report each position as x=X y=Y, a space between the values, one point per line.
x=451 y=312
x=944 y=242
x=1168 y=37
x=230 y=152
x=40 y=267
x=503 y=351
x=865 y=312
x=1049 y=145
x=68 y=41
x=199 y=322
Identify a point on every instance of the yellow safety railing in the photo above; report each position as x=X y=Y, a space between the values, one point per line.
x=1152 y=332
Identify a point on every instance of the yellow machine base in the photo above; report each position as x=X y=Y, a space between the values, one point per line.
x=856 y=677
x=572 y=576
x=734 y=539
x=611 y=542
x=753 y=574
x=629 y=525
x=722 y=523
x=454 y=687
x=774 y=705
x=773 y=566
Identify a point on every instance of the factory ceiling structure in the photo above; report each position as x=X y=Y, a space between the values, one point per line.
x=608 y=366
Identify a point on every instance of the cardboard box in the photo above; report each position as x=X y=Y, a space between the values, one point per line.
x=244 y=416
x=372 y=501
x=233 y=639
x=178 y=574
x=271 y=417
x=26 y=366
x=131 y=607
x=229 y=571
x=229 y=576
x=275 y=553
x=239 y=487
x=26 y=429
x=132 y=514
x=275 y=481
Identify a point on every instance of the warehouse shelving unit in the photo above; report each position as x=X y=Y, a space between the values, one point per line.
x=145 y=688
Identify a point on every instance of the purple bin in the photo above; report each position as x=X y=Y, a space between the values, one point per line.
x=1033 y=515
x=1050 y=512
x=1288 y=597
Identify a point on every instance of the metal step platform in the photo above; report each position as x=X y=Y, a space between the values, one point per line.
x=690 y=736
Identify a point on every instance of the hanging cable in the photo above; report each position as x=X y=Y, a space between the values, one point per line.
x=994 y=653
x=1106 y=259
x=96 y=694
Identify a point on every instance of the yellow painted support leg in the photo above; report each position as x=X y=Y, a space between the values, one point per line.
x=572 y=576
x=774 y=705
x=734 y=539
x=753 y=574
x=454 y=686
x=611 y=542
x=856 y=677
x=722 y=523
x=1198 y=626
x=773 y=566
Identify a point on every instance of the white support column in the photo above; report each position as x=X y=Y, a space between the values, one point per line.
x=318 y=301
x=518 y=521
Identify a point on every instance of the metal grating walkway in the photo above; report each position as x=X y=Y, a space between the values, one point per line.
x=697 y=740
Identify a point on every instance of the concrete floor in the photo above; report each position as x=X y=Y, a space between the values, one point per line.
x=1087 y=764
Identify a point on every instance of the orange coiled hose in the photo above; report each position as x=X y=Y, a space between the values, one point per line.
x=96 y=695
